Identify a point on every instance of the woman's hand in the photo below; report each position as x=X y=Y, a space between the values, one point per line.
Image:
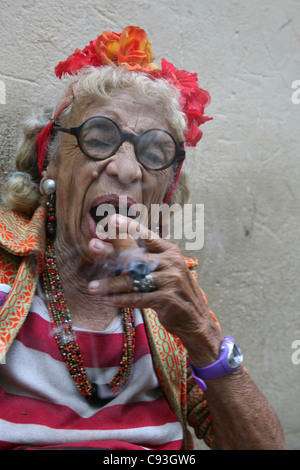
x=177 y=299
x=242 y=417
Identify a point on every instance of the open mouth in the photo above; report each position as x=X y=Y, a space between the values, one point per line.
x=104 y=208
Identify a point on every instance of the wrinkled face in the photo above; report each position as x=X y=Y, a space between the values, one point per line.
x=84 y=183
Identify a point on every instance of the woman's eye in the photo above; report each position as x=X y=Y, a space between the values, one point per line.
x=154 y=158
x=96 y=143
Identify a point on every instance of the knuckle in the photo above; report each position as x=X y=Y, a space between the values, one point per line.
x=176 y=276
x=127 y=283
x=177 y=256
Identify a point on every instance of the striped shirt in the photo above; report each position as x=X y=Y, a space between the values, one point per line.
x=41 y=407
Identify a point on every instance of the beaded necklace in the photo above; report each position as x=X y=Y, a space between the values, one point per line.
x=66 y=339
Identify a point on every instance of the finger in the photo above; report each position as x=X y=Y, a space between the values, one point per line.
x=143 y=236
x=127 y=246
x=120 y=284
x=123 y=242
x=130 y=300
x=112 y=285
x=99 y=248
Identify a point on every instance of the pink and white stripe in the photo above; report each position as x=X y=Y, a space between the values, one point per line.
x=40 y=405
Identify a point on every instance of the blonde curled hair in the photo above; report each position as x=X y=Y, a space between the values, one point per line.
x=21 y=191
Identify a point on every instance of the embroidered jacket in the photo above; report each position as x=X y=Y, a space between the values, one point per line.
x=22 y=245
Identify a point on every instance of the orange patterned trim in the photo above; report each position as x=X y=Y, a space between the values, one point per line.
x=18 y=303
x=170 y=368
x=19 y=237
x=23 y=236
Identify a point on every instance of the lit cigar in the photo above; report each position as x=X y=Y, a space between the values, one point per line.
x=137 y=268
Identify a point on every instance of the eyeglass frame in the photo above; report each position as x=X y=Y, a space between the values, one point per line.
x=125 y=137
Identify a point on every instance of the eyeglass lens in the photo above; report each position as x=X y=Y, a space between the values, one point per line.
x=100 y=138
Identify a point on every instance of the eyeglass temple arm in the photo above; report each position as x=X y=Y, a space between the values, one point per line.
x=56 y=127
x=182 y=155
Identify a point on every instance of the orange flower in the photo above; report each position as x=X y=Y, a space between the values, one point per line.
x=107 y=47
x=131 y=48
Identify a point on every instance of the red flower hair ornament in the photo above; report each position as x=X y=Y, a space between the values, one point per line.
x=131 y=49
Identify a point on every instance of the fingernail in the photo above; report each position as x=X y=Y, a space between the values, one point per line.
x=120 y=219
x=94 y=285
x=99 y=246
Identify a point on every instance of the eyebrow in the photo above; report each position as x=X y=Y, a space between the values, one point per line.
x=117 y=117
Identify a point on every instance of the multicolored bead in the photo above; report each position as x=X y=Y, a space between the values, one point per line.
x=66 y=339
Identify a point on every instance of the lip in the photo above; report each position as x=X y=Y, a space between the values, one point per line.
x=114 y=200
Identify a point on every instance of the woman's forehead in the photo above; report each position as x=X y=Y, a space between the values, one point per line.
x=127 y=110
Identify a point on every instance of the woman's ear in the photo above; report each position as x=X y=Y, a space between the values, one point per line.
x=44 y=175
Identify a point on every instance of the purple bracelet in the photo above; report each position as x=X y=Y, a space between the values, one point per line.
x=222 y=366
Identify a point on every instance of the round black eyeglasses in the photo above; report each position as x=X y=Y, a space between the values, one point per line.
x=100 y=137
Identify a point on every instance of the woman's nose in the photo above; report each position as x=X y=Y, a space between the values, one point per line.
x=124 y=165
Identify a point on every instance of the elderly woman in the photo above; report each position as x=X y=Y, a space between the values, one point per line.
x=107 y=341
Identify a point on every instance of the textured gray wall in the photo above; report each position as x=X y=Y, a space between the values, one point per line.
x=246 y=169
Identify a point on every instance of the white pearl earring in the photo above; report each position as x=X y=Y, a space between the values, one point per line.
x=48 y=187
